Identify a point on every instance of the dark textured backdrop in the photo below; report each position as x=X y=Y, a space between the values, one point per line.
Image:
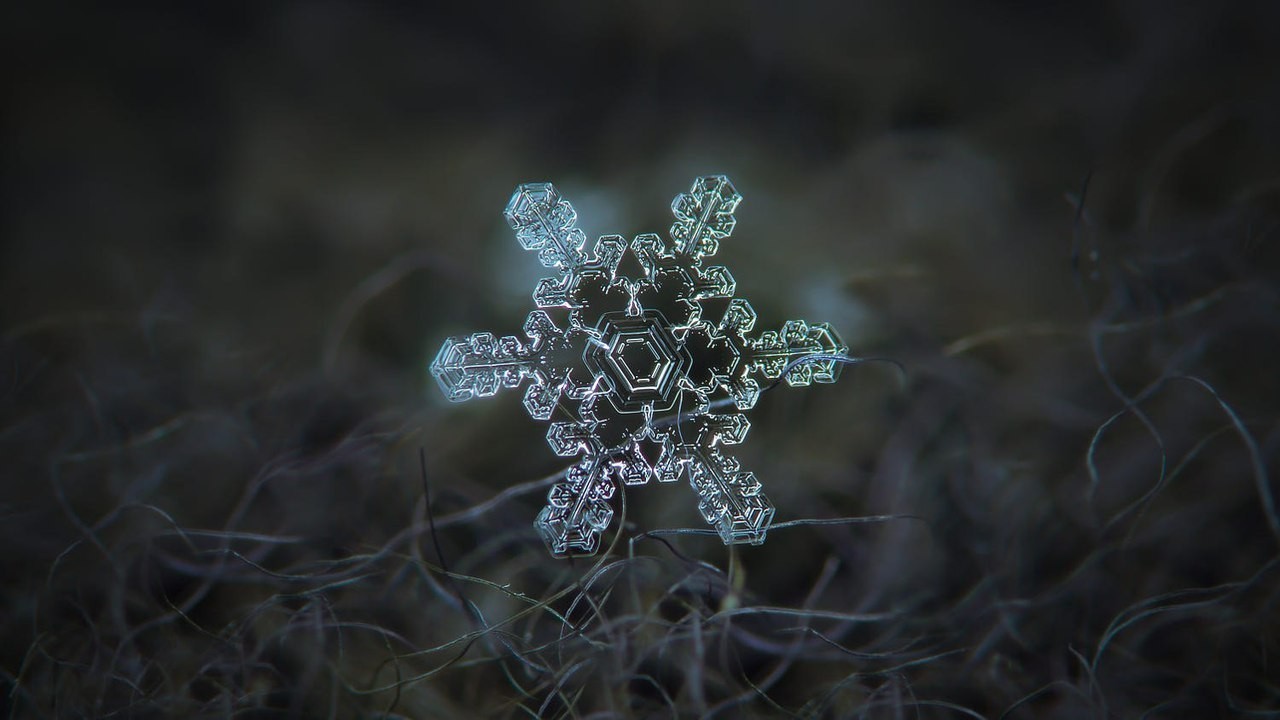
x=234 y=235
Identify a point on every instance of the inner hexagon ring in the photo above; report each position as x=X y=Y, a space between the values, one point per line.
x=638 y=359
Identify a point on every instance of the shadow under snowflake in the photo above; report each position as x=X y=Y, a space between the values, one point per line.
x=648 y=330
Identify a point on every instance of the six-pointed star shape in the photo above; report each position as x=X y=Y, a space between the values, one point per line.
x=650 y=346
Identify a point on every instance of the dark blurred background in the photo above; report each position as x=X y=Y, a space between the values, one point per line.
x=235 y=234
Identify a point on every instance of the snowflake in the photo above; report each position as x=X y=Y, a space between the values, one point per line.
x=651 y=341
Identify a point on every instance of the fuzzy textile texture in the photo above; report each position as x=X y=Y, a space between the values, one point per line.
x=235 y=234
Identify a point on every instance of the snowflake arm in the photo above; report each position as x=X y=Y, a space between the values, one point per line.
x=704 y=216
x=773 y=352
x=731 y=500
x=480 y=365
x=546 y=223
x=578 y=509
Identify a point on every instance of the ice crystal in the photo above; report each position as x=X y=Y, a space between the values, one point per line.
x=651 y=341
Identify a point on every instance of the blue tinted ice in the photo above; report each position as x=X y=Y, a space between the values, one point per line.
x=645 y=341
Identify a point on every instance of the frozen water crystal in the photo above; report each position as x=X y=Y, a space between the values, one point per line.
x=650 y=341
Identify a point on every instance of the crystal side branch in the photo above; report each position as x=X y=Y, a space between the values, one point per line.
x=648 y=338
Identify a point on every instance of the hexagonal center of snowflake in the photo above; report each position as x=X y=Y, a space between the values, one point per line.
x=640 y=363
x=638 y=359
